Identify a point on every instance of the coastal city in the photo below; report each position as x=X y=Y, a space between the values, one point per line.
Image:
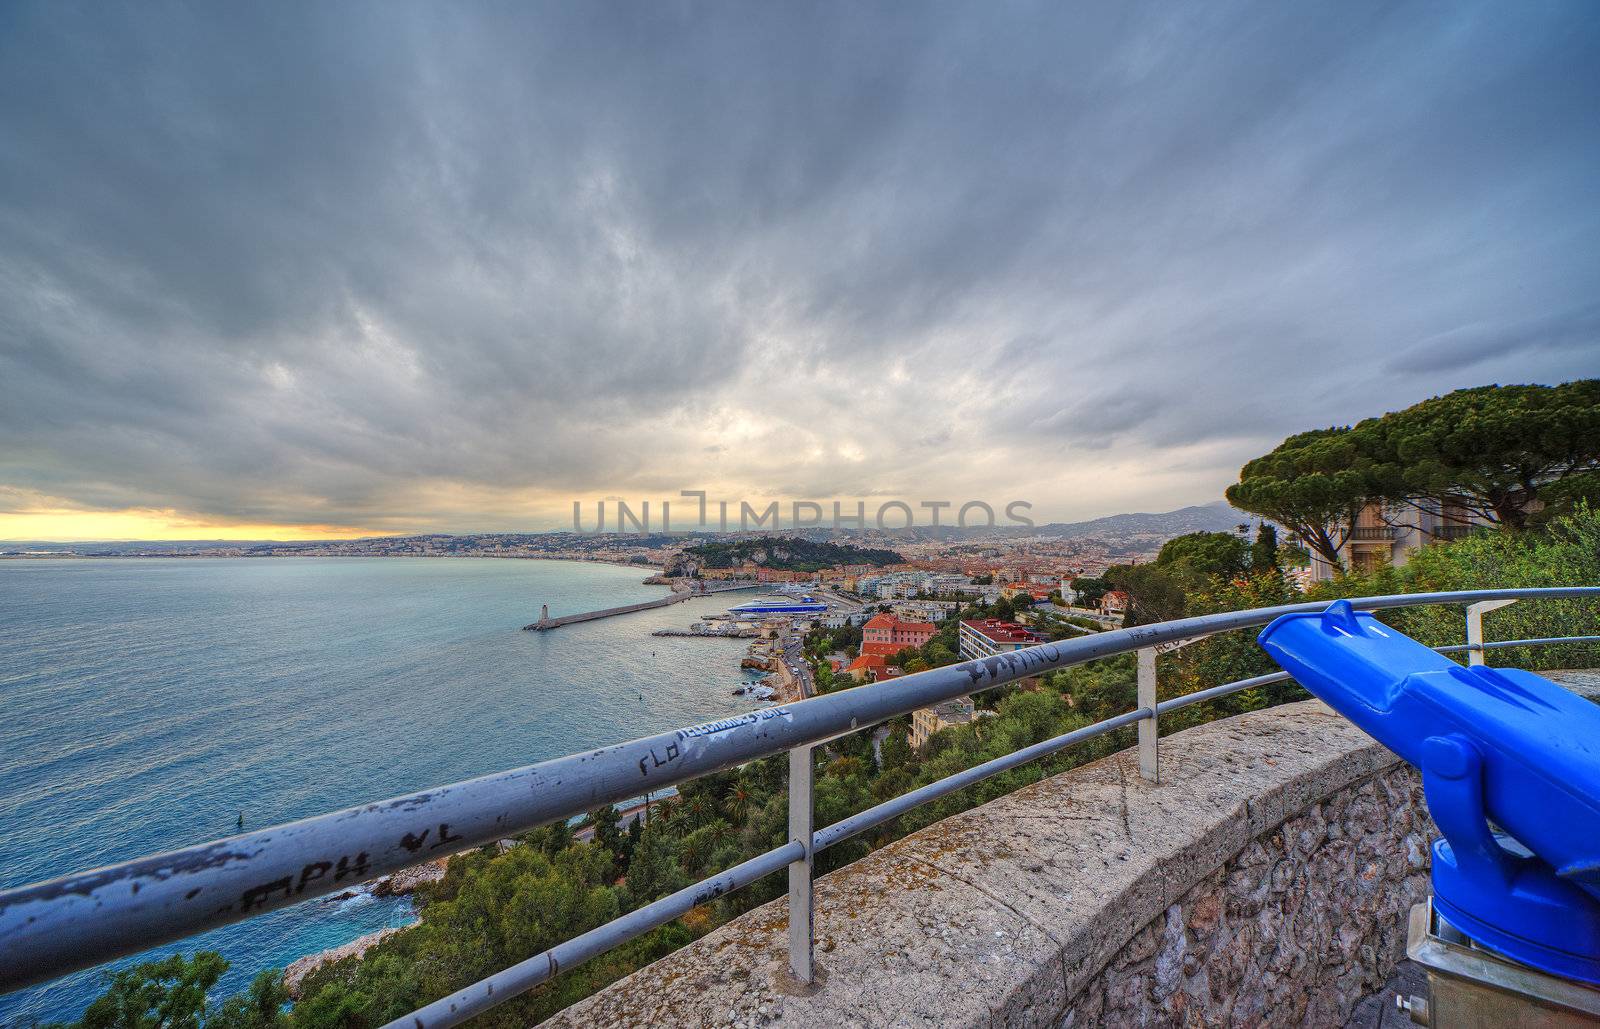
x=831 y=614
x=773 y=516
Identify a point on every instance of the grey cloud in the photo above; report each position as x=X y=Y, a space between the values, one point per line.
x=310 y=262
x=1576 y=330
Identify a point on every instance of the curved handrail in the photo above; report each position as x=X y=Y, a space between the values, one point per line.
x=50 y=928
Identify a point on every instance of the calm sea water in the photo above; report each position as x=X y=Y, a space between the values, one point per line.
x=148 y=702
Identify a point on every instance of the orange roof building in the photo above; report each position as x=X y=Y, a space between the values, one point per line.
x=889 y=630
x=869 y=668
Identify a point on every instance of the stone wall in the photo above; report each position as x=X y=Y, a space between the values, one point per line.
x=1294 y=930
x=1264 y=882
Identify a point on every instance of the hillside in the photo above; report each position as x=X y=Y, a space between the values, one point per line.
x=782 y=552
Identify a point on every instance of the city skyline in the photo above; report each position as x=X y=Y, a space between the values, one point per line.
x=314 y=272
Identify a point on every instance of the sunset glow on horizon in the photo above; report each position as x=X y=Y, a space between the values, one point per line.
x=78 y=526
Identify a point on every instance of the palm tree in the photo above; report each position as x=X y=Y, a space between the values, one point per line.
x=695 y=810
x=693 y=853
x=739 y=800
x=721 y=833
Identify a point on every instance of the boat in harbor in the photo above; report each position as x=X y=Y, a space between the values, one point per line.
x=806 y=605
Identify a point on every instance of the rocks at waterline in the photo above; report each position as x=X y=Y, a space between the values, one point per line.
x=396 y=884
x=295 y=974
x=408 y=879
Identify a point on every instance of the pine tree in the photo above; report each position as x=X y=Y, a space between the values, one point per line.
x=1264 y=552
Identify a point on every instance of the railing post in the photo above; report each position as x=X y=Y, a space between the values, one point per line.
x=1475 y=613
x=800 y=907
x=1149 y=754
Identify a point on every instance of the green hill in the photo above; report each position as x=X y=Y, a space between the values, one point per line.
x=786 y=553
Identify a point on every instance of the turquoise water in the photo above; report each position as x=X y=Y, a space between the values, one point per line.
x=147 y=702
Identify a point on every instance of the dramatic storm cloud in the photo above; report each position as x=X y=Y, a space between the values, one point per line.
x=399 y=266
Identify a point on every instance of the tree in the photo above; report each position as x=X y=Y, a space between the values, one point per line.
x=1156 y=593
x=1498 y=451
x=1314 y=484
x=260 y=1007
x=896 y=748
x=1205 y=554
x=654 y=871
x=1090 y=589
x=1264 y=551
x=1568 y=495
x=165 y=994
x=603 y=820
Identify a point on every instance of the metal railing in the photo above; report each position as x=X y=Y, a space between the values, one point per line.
x=52 y=928
x=1373 y=532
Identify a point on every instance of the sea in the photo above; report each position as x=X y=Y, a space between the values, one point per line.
x=146 y=704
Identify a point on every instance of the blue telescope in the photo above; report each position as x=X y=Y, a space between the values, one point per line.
x=1510 y=767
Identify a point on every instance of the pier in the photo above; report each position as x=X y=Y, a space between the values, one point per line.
x=675 y=597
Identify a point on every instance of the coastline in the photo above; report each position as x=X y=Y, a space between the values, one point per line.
x=396 y=884
x=651 y=569
x=248 y=636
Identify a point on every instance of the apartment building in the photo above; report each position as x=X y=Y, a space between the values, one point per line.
x=928 y=720
x=1385 y=535
x=888 y=635
x=889 y=629
x=985 y=637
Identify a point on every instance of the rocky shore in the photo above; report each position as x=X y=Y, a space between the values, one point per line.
x=295 y=974
x=399 y=883
x=408 y=879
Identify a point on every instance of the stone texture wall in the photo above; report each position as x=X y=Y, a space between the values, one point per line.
x=1294 y=930
x=1264 y=881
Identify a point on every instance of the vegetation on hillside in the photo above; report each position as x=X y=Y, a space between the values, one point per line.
x=783 y=552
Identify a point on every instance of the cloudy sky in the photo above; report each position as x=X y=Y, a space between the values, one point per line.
x=295 y=269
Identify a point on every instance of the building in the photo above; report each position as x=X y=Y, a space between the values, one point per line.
x=1029 y=592
x=872 y=668
x=783 y=575
x=925 y=610
x=926 y=721
x=1388 y=536
x=985 y=637
x=1114 y=604
x=891 y=631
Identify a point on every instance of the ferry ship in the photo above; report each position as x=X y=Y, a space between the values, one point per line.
x=780 y=606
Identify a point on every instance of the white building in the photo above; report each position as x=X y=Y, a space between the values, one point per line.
x=1388 y=536
x=985 y=637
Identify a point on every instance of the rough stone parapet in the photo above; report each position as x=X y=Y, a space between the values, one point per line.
x=1264 y=881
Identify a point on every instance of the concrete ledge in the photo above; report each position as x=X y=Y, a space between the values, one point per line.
x=1015 y=912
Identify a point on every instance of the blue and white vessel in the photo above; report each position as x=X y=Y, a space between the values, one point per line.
x=780 y=606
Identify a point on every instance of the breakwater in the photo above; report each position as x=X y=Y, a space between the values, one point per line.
x=546 y=622
x=676 y=597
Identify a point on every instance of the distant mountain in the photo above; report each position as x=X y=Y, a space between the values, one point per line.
x=1217 y=517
